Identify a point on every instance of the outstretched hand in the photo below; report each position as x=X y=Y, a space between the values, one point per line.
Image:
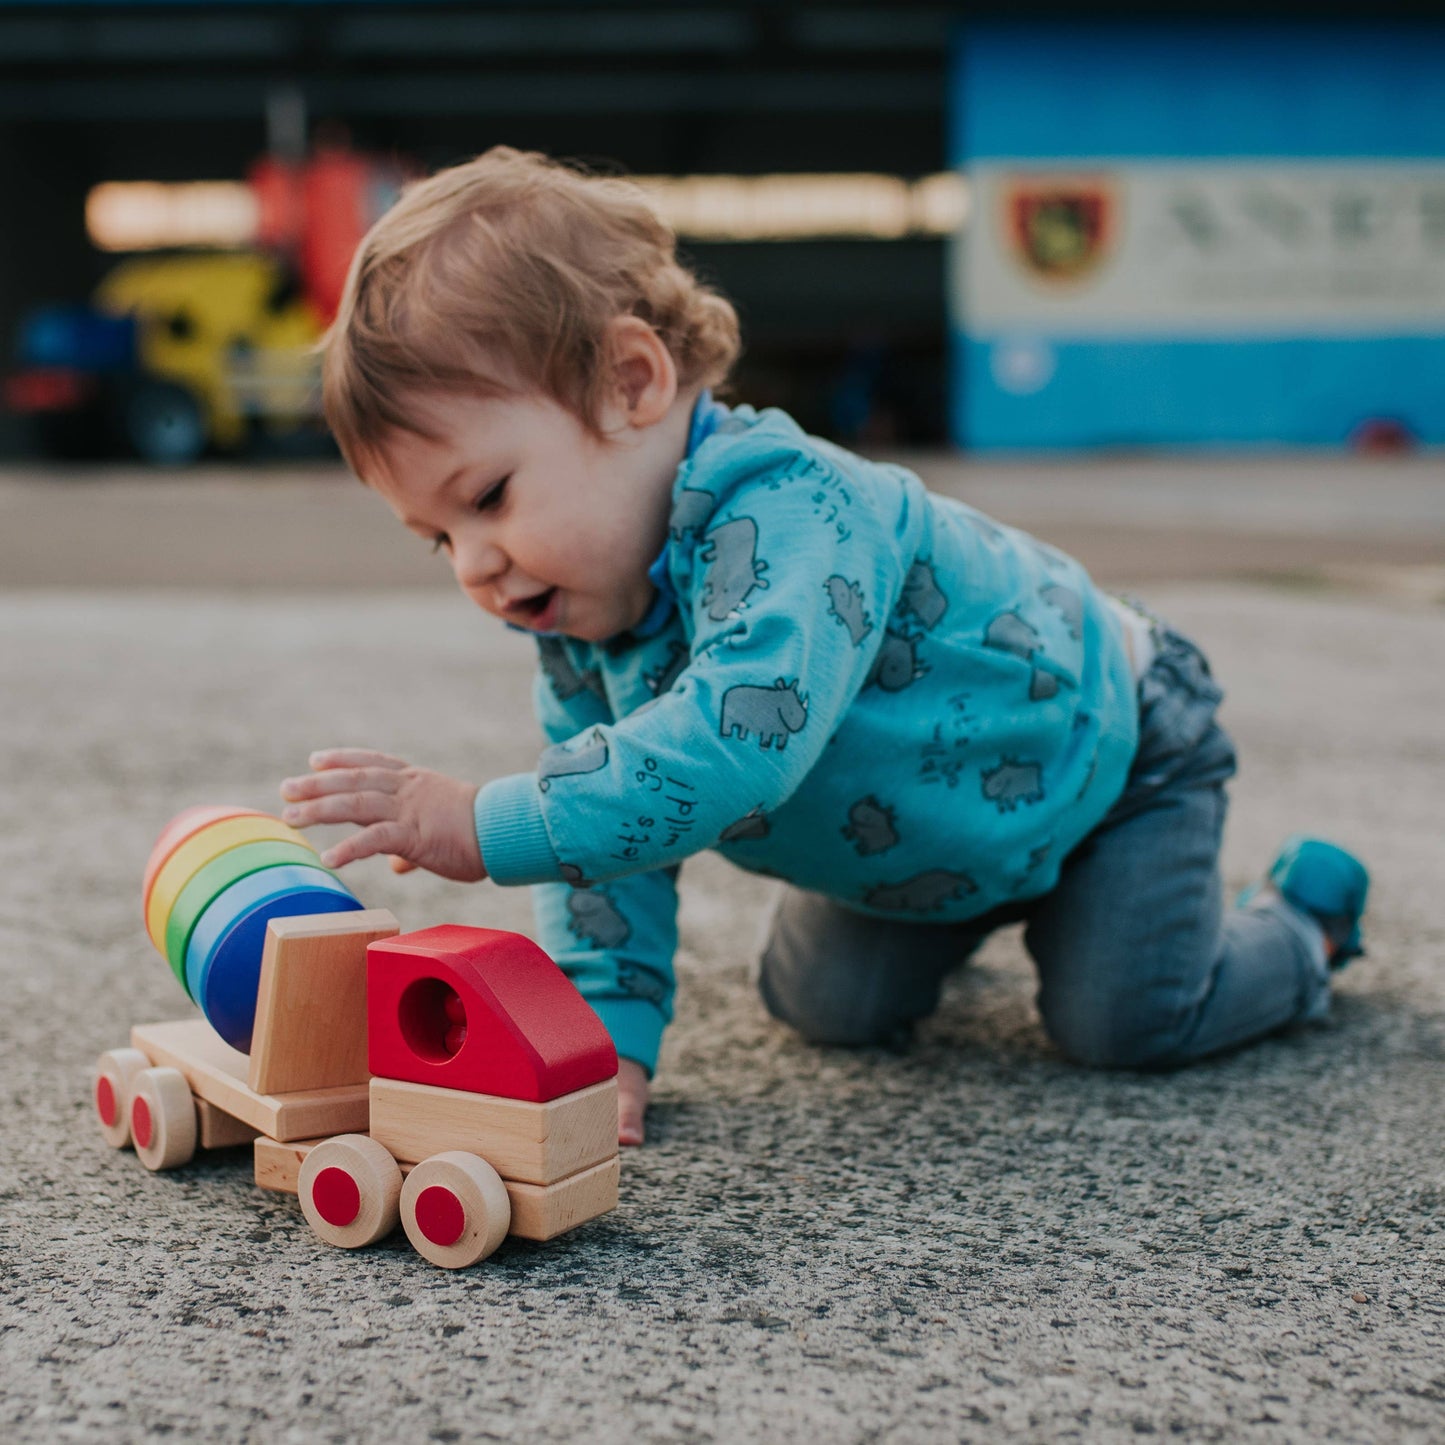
x=423 y=819
x=632 y=1092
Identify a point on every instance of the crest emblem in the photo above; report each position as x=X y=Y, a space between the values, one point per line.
x=1060 y=228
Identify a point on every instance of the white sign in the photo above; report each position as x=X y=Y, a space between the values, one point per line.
x=1216 y=248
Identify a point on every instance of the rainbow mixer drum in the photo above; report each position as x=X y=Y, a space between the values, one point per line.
x=215 y=878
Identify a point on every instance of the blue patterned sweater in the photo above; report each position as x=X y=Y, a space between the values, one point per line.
x=848 y=682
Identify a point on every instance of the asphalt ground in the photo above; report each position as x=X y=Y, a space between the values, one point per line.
x=1319 y=518
x=975 y=1241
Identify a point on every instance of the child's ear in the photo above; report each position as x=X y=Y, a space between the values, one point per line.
x=646 y=376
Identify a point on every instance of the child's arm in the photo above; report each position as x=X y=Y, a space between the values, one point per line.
x=615 y=943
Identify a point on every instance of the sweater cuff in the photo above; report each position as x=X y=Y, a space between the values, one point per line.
x=511 y=833
x=636 y=1028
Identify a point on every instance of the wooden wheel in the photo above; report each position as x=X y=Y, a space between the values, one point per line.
x=455 y=1210
x=162 y=1118
x=115 y=1073
x=349 y=1188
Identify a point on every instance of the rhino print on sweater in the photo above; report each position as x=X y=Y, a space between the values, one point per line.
x=921 y=596
x=564 y=761
x=896 y=665
x=566 y=681
x=595 y=919
x=1010 y=633
x=923 y=893
x=774 y=713
x=870 y=827
x=845 y=602
x=730 y=550
x=1013 y=782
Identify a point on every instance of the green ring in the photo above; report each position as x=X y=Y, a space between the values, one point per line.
x=211 y=881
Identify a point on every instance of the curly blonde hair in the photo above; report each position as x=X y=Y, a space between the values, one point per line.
x=501 y=276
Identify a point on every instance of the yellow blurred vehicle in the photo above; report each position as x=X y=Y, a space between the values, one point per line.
x=177 y=354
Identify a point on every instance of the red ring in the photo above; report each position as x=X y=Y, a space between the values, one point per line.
x=105 y=1101
x=140 y=1121
x=336 y=1196
x=440 y=1215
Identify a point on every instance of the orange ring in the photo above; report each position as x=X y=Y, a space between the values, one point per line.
x=185 y=823
x=199 y=849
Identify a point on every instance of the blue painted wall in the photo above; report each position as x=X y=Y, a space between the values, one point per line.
x=1190 y=95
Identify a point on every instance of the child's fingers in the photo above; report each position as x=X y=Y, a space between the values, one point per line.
x=402 y=865
x=632 y=1092
x=629 y=1122
x=379 y=838
x=340 y=780
x=353 y=758
x=348 y=807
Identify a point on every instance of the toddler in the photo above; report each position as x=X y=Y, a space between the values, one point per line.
x=928 y=724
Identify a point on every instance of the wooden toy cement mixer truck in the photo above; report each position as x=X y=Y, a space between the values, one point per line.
x=451 y=1078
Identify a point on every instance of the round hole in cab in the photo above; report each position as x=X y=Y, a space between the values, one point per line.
x=432 y=1019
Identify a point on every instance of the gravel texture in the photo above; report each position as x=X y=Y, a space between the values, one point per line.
x=971 y=1242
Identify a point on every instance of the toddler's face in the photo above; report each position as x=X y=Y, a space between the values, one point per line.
x=545 y=526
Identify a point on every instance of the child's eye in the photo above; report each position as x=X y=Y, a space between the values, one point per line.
x=492 y=496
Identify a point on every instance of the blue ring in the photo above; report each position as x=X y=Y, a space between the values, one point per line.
x=223 y=958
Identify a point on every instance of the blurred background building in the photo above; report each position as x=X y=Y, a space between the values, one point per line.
x=1095 y=229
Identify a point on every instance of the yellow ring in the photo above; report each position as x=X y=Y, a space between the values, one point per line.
x=200 y=849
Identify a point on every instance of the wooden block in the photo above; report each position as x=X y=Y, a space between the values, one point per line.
x=218 y=1130
x=532 y=1143
x=311 y=1006
x=539 y=1211
x=278 y=1165
x=217 y=1073
x=543 y=1211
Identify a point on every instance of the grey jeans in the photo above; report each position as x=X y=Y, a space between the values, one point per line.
x=1138 y=964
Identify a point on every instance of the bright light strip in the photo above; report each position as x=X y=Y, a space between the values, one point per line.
x=808 y=207
x=149 y=215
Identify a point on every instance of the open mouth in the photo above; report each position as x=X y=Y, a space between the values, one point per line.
x=530 y=609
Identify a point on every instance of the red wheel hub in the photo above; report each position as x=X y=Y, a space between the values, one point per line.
x=105 y=1102
x=440 y=1215
x=336 y=1197
x=140 y=1122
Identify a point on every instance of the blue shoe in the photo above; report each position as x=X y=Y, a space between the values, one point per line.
x=1324 y=881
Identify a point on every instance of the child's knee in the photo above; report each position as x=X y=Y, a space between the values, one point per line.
x=821 y=1013
x=1115 y=1031
x=840 y=977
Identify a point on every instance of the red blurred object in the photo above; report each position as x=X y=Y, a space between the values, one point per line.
x=528 y=1033
x=317 y=211
x=1383 y=436
x=50 y=388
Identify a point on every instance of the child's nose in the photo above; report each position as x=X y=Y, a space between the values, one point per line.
x=478 y=562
